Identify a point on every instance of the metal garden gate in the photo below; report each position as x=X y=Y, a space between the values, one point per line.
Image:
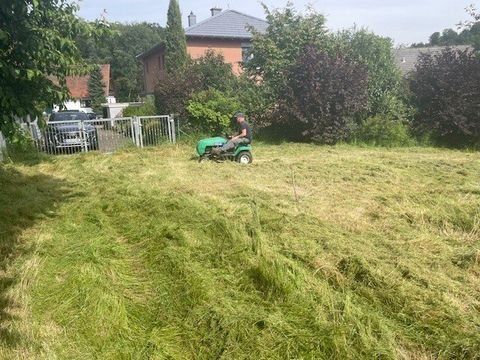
x=105 y=135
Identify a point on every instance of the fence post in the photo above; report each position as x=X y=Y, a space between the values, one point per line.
x=140 y=131
x=133 y=131
x=171 y=119
x=3 y=147
x=82 y=134
x=169 y=128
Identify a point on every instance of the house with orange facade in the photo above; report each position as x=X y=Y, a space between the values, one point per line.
x=225 y=32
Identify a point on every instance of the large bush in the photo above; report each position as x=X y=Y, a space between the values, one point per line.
x=257 y=99
x=446 y=90
x=383 y=131
x=288 y=33
x=209 y=72
x=211 y=111
x=146 y=109
x=384 y=77
x=322 y=92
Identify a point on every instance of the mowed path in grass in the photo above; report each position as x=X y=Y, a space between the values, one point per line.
x=309 y=253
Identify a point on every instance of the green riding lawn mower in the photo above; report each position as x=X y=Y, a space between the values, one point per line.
x=242 y=153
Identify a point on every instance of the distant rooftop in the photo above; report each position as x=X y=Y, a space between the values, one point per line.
x=230 y=24
x=407 y=58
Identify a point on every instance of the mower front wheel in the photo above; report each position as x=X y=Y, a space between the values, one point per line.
x=203 y=159
x=245 y=157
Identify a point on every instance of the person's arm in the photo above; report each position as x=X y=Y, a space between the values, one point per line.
x=242 y=134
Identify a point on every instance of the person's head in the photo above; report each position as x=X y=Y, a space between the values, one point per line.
x=240 y=117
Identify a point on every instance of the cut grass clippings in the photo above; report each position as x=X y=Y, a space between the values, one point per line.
x=309 y=253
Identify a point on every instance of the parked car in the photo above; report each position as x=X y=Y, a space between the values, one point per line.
x=70 y=130
x=90 y=113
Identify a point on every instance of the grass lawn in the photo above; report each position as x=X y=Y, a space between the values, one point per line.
x=309 y=253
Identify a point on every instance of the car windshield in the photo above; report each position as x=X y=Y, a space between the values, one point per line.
x=67 y=116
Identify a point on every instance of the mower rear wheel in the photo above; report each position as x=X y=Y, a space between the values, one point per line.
x=203 y=159
x=245 y=157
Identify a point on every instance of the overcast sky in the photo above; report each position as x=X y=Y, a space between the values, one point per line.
x=405 y=21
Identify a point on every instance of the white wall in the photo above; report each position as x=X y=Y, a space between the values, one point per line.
x=69 y=105
x=116 y=109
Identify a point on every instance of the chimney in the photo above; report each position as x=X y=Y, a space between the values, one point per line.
x=192 y=19
x=215 y=11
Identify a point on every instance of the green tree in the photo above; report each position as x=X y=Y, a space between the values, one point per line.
x=96 y=89
x=119 y=49
x=211 y=111
x=37 y=38
x=435 y=39
x=384 y=77
x=473 y=27
x=175 y=41
x=287 y=35
x=450 y=37
x=209 y=72
x=214 y=72
x=323 y=91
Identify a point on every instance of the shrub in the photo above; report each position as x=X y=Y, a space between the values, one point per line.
x=383 y=131
x=213 y=72
x=172 y=94
x=147 y=109
x=209 y=72
x=446 y=89
x=257 y=99
x=384 y=76
x=212 y=111
x=321 y=92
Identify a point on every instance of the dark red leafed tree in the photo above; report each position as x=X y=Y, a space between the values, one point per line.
x=446 y=89
x=322 y=92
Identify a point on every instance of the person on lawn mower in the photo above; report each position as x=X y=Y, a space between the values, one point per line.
x=244 y=135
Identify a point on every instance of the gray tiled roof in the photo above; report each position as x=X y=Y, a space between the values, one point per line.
x=406 y=58
x=227 y=24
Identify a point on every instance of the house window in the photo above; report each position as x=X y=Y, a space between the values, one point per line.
x=85 y=103
x=146 y=66
x=161 y=63
x=246 y=52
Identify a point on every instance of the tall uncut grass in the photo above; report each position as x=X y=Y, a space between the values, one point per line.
x=309 y=253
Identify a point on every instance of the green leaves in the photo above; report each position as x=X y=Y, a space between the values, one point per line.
x=211 y=111
x=37 y=39
x=175 y=40
x=96 y=89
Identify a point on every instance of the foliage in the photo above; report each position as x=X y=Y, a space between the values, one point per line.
x=145 y=254
x=470 y=35
x=209 y=72
x=211 y=111
x=37 y=38
x=287 y=35
x=96 y=89
x=213 y=72
x=256 y=99
x=322 y=91
x=174 y=91
x=175 y=40
x=446 y=89
x=119 y=48
x=383 y=131
x=146 y=109
x=384 y=77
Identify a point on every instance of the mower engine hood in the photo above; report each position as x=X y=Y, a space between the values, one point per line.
x=209 y=143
